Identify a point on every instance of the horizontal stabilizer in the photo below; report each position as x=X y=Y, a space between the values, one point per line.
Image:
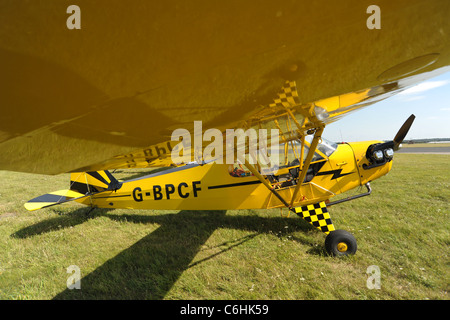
x=53 y=198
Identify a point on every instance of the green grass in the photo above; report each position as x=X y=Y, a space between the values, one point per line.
x=402 y=228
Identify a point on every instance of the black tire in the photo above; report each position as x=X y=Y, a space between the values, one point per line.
x=340 y=243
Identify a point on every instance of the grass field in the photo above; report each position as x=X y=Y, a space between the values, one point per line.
x=403 y=228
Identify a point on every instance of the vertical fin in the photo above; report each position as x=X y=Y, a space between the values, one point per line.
x=93 y=182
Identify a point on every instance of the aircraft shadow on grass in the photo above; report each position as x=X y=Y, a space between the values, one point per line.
x=149 y=268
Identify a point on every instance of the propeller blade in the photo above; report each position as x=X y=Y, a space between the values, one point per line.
x=401 y=134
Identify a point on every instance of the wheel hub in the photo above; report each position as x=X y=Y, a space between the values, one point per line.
x=342 y=247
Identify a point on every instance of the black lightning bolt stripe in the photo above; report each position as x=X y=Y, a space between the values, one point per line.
x=336 y=173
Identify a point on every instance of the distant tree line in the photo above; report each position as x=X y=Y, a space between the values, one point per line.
x=411 y=141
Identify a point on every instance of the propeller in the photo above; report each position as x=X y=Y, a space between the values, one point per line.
x=401 y=134
x=379 y=153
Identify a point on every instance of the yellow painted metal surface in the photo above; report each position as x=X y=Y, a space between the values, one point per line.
x=360 y=149
x=211 y=187
x=107 y=95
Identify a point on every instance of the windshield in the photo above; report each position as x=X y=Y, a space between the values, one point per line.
x=327 y=147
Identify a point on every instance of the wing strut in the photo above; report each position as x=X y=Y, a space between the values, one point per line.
x=312 y=149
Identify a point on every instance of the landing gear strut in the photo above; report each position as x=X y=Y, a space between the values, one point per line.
x=337 y=242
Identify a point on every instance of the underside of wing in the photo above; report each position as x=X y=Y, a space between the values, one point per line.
x=110 y=94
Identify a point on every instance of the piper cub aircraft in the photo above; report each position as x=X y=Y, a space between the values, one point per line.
x=111 y=93
x=310 y=171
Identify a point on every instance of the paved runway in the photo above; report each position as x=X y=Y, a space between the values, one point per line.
x=435 y=150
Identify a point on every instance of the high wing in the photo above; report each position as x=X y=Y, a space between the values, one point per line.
x=286 y=113
x=110 y=94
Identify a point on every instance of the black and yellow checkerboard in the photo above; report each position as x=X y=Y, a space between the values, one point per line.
x=317 y=215
x=288 y=97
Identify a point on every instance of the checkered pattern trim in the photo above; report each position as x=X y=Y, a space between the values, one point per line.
x=317 y=215
x=288 y=97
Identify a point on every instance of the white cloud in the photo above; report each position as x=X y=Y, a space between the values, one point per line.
x=424 y=86
x=444 y=109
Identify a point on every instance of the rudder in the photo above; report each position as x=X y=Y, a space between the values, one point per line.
x=93 y=182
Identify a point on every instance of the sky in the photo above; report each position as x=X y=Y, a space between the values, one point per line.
x=429 y=101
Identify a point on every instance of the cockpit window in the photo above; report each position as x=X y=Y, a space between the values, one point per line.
x=238 y=170
x=327 y=147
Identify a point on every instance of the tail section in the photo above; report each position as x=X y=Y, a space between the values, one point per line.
x=93 y=182
x=82 y=184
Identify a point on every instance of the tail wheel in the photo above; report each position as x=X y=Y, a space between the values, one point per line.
x=340 y=243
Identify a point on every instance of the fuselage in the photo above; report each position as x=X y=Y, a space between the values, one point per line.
x=214 y=186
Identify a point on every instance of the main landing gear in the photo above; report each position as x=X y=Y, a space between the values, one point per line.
x=338 y=242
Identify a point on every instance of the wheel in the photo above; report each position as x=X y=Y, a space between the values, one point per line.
x=340 y=243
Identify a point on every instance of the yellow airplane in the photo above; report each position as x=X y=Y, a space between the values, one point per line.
x=312 y=171
x=108 y=95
